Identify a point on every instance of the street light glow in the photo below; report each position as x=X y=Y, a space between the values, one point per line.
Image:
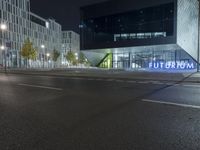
x=3 y=26
x=2 y=47
x=48 y=54
x=42 y=46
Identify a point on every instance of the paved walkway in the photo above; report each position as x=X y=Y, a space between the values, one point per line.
x=119 y=74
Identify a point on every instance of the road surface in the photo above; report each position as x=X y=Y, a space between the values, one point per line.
x=74 y=113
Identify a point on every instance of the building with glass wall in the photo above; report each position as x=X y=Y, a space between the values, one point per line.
x=22 y=24
x=139 y=34
x=70 y=42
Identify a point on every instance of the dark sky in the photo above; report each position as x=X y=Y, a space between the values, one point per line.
x=66 y=12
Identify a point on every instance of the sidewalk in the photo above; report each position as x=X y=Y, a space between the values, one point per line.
x=112 y=74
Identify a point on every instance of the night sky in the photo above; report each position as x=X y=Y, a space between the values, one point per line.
x=65 y=12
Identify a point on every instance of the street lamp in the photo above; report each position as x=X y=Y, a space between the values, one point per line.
x=42 y=46
x=76 y=54
x=198 y=50
x=3 y=27
x=43 y=56
x=2 y=47
x=48 y=55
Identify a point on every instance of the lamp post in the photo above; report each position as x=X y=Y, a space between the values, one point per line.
x=43 y=56
x=48 y=59
x=198 y=53
x=3 y=27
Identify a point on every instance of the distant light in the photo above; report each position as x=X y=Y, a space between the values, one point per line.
x=48 y=54
x=2 y=47
x=3 y=26
x=47 y=25
x=42 y=46
x=81 y=26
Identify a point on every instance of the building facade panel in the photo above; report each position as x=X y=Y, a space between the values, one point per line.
x=148 y=35
x=187 y=26
x=70 y=42
x=22 y=24
x=137 y=27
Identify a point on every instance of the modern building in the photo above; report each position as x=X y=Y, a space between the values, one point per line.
x=70 y=42
x=21 y=24
x=141 y=34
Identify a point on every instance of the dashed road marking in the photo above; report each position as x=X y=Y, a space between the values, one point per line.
x=42 y=87
x=143 y=82
x=131 y=81
x=119 y=80
x=171 y=103
x=190 y=85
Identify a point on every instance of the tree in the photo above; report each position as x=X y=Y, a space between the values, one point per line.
x=28 y=52
x=71 y=57
x=82 y=58
x=55 y=56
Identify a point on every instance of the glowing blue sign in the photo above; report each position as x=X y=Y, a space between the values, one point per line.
x=172 y=65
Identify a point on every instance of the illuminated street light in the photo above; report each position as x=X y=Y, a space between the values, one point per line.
x=3 y=26
x=48 y=54
x=2 y=47
x=48 y=61
x=76 y=54
x=198 y=46
x=42 y=46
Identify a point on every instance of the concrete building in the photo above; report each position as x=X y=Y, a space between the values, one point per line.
x=22 y=24
x=70 y=42
x=140 y=34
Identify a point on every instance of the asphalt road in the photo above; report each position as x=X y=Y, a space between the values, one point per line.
x=60 y=113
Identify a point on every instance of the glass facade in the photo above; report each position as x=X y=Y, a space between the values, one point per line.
x=22 y=24
x=154 y=60
x=151 y=22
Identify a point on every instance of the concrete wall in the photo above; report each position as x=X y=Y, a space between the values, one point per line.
x=187 y=26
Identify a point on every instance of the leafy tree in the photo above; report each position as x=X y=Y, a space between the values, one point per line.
x=82 y=58
x=55 y=56
x=28 y=52
x=71 y=57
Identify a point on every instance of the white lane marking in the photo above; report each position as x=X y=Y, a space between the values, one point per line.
x=42 y=87
x=110 y=80
x=143 y=82
x=119 y=80
x=131 y=81
x=170 y=84
x=89 y=79
x=171 y=103
x=100 y=79
x=189 y=85
x=159 y=83
x=77 y=78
